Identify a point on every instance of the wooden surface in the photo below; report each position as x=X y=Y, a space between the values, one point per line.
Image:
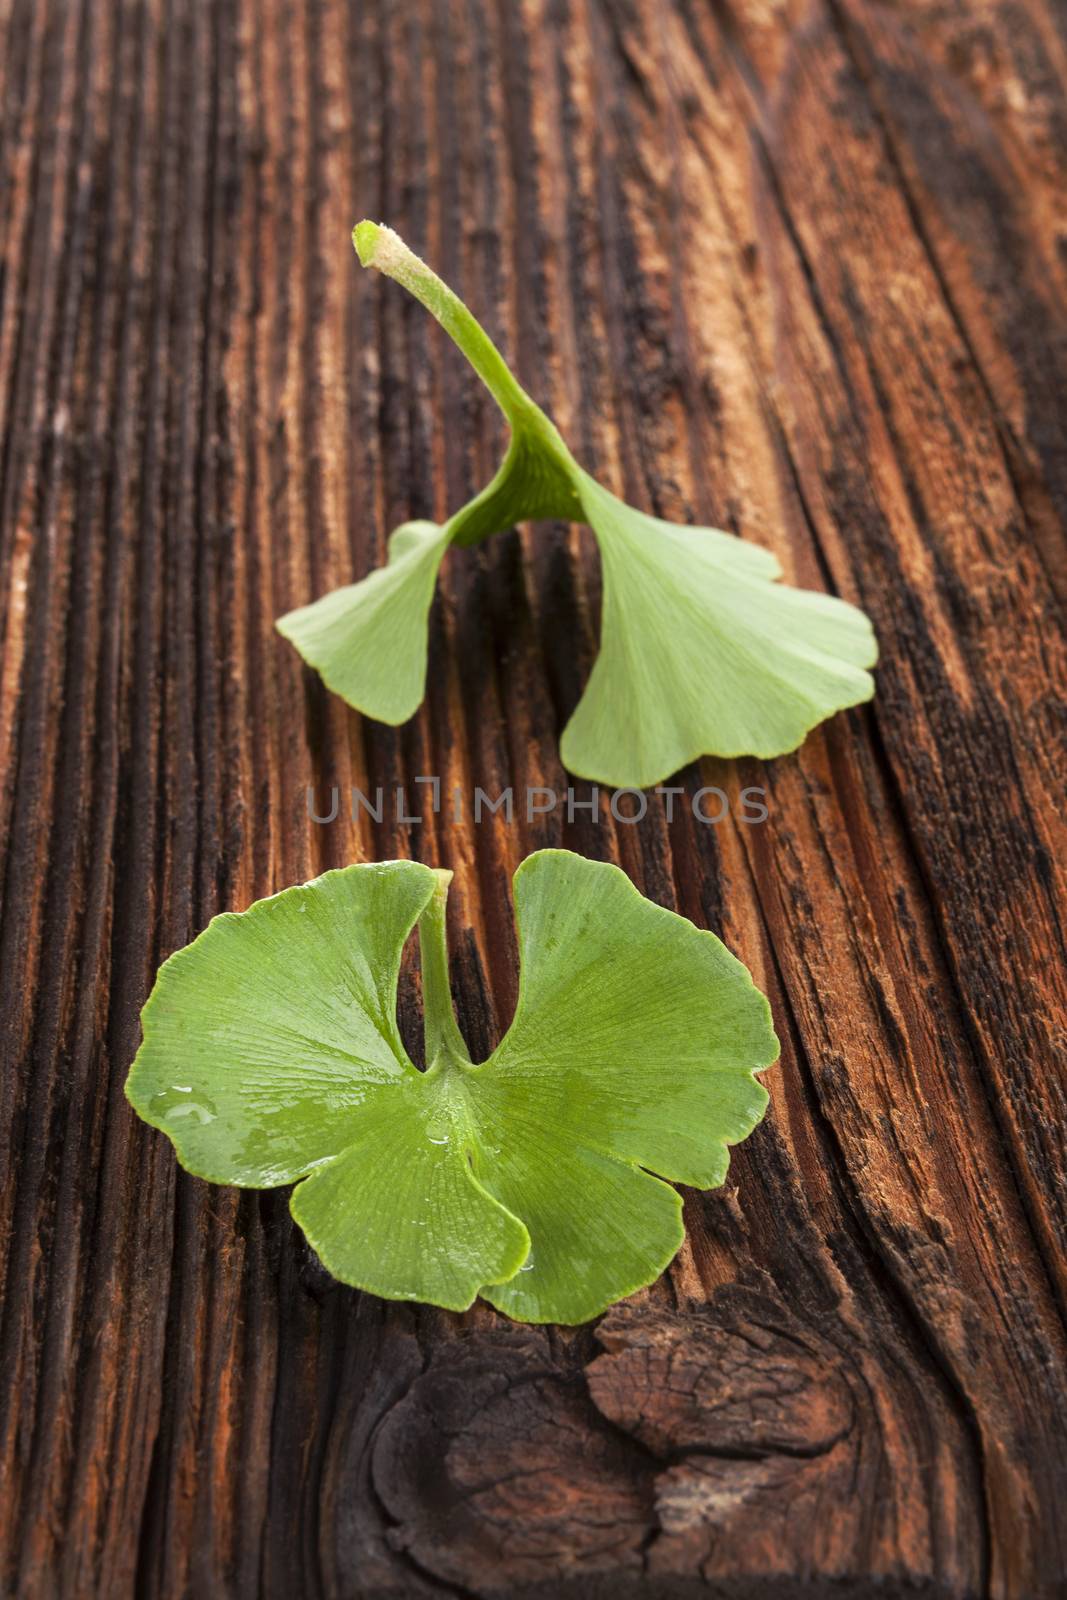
x=797 y=267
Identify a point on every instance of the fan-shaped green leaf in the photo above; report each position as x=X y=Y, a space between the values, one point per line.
x=368 y=640
x=271 y=1054
x=703 y=651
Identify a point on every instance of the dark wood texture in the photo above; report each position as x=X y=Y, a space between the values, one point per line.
x=796 y=267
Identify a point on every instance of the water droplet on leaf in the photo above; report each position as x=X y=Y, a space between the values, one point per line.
x=178 y=1104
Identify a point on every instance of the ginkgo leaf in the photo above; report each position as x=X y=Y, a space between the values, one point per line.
x=700 y=652
x=631 y=1053
x=368 y=640
x=703 y=649
x=271 y=1055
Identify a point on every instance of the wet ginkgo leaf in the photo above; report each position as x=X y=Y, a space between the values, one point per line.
x=271 y=1056
x=703 y=650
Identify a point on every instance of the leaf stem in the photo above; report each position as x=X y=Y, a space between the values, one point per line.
x=538 y=477
x=378 y=246
x=440 y=1028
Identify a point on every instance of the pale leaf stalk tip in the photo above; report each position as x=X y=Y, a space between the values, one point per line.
x=378 y=246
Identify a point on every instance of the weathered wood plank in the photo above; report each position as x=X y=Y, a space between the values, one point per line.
x=795 y=269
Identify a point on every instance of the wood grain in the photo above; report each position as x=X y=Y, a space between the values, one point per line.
x=798 y=269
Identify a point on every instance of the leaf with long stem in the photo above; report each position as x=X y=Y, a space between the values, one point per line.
x=703 y=650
